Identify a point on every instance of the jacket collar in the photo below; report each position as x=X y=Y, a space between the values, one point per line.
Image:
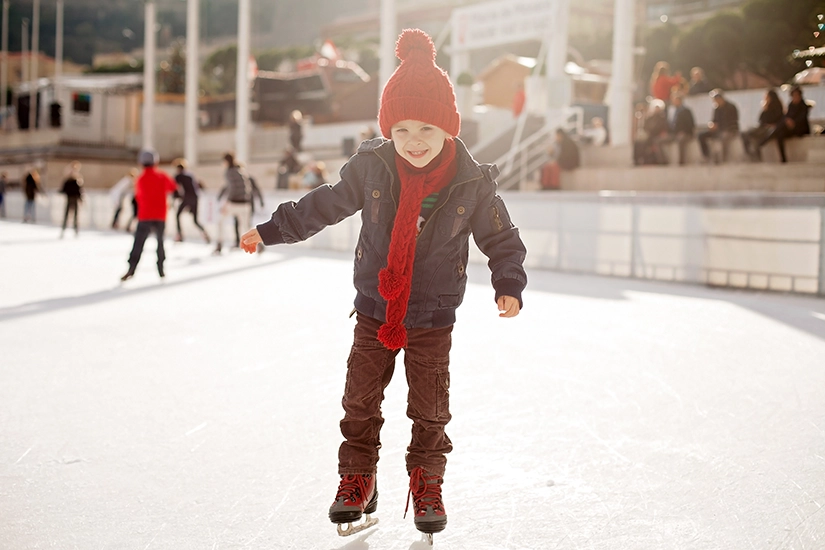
x=467 y=168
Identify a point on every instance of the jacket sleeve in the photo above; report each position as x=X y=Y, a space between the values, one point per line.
x=294 y=222
x=499 y=240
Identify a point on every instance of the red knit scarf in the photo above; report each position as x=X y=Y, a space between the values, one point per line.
x=395 y=280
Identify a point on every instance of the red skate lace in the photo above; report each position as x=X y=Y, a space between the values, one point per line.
x=352 y=487
x=424 y=493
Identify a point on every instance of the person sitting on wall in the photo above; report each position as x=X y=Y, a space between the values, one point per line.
x=647 y=149
x=315 y=175
x=725 y=123
x=772 y=112
x=793 y=124
x=288 y=165
x=698 y=83
x=681 y=126
x=596 y=134
x=564 y=155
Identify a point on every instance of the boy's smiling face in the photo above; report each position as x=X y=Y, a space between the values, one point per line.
x=418 y=142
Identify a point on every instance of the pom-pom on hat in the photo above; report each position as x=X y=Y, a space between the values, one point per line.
x=418 y=89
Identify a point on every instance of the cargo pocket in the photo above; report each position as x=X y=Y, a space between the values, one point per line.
x=442 y=398
x=449 y=301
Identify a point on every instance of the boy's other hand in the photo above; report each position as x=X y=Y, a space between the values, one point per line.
x=508 y=306
x=250 y=241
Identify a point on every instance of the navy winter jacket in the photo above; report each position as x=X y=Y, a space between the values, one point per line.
x=469 y=204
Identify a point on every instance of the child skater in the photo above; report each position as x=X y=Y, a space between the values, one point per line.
x=421 y=195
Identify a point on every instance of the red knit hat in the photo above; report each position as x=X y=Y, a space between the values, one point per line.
x=418 y=89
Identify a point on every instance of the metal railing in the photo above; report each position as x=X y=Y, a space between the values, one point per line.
x=527 y=156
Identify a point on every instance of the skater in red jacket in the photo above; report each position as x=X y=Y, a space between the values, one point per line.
x=151 y=188
x=421 y=195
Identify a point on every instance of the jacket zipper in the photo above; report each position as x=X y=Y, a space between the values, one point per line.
x=497 y=218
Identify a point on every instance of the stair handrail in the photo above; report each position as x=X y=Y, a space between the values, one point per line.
x=524 y=150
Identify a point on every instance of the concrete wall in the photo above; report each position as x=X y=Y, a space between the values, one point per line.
x=791 y=177
x=749 y=240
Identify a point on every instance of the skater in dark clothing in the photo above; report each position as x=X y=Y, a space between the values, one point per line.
x=421 y=195
x=151 y=188
x=287 y=167
x=31 y=188
x=73 y=189
x=3 y=181
x=189 y=191
x=296 y=130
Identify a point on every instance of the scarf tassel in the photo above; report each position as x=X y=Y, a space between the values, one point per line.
x=393 y=335
x=390 y=284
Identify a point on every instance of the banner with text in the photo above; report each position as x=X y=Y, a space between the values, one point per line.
x=505 y=22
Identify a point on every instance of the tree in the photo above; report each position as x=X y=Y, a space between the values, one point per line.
x=723 y=46
x=757 y=39
x=172 y=76
x=219 y=70
x=659 y=44
x=773 y=30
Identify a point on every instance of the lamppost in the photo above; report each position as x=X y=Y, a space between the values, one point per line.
x=24 y=51
x=58 y=50
x=4 y=68
x=242 y=84
x=621 y=86
x=389 y=22
x=149 y=41
x=35 y=59
x=191 y=107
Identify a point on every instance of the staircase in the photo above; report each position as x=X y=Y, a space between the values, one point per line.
x=493 y=149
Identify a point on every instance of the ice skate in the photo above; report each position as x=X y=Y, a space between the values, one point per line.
x=429 y=514
x=357 y=497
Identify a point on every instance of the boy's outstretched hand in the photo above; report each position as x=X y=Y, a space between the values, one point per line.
x=251 y=239
x=508 y=306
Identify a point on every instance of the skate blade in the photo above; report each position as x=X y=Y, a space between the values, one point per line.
x=427 y=538
x=352 y=529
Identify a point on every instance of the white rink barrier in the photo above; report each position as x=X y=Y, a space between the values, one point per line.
x=764 y=241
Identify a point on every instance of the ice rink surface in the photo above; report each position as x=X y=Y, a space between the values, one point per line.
x=202 y=412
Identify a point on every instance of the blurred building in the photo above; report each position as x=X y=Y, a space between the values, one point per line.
x=45 y=67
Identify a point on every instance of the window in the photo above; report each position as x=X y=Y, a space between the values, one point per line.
x=81 y=102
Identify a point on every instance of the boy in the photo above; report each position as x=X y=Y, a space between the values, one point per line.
x=151 y=188
x=420 y=196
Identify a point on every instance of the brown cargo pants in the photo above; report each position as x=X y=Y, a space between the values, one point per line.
x=369 y=370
